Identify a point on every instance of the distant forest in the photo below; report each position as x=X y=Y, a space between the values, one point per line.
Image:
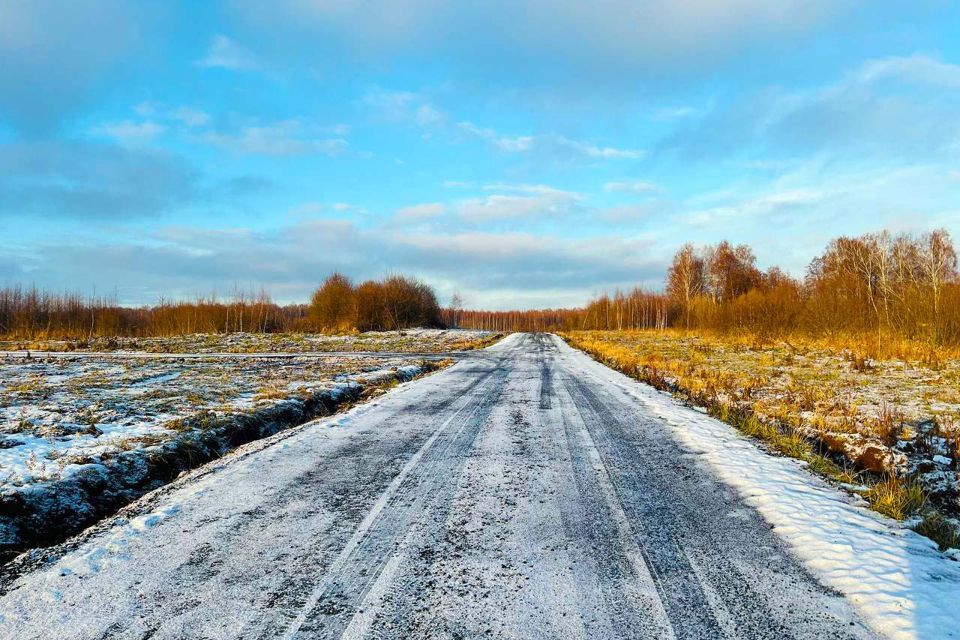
x=395 y=302
x=903 y=286
x=881 y=284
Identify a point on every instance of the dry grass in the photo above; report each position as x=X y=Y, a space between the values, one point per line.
x=847 y=415
x=273 y=392
x=406 y=341
x=896 y=498
x=856 y=407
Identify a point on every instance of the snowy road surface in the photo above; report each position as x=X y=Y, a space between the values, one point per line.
x=526 y=492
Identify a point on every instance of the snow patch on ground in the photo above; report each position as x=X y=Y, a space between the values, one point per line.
x=60 y=470
x=58 y=416
x=406 y=340
x=903 y=586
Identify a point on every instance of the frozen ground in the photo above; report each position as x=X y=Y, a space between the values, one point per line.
x=883 y=415
x=527 y=492
x=406 y=341
x=83 y=433
x=59 y=415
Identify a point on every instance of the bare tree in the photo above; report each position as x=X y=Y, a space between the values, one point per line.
x=938 y=264
x=456 y=306
x=686 y=278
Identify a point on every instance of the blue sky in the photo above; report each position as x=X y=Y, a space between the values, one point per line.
x=527 y=153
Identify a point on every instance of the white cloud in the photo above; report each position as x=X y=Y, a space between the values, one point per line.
x=673 y=113
x=409 y=106
x=535 y=189
x=549 y=143
x=764 y=205
x=901 y=107
x=519 y=144
x=520 y=202
x=481 y=132
x=293 y=137
x=184 y=115
x=636 y=186
x=190 y=117
x=398 y=106
x=224 y=53
x=129 y=132
x=428 y=115
x=421 y=212
x=284 y=138
x=496 y=269
x=593 y=151
x=916 y=68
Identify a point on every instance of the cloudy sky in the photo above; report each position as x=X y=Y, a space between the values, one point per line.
x=524 y=152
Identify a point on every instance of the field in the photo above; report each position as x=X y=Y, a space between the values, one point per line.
x=890 y=428
x=406 y=341
x=83 y=433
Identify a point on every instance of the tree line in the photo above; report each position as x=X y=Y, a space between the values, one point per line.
x=878 y=284
x=395 y=302
x=900 y=285
x=637 y=309
x=29 y=313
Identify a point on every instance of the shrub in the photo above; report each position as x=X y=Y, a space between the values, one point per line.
x=896 y=498
x=940 y=530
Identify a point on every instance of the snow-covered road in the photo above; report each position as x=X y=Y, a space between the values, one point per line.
x=525 y=492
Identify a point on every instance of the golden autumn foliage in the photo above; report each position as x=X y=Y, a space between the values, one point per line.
x=874 y=291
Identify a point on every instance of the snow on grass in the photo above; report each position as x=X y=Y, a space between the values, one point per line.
x=884 y=416
x=903 y=586
x=82 y=434
x=405 y=341
x=60 y=414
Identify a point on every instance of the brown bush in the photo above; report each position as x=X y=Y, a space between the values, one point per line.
x=396 y=302
x=333 y=306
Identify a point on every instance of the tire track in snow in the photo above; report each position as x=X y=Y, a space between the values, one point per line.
x=631 y=595
x=680 y=591
x=329 y=485
x=706 y=593
x=419 y=487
